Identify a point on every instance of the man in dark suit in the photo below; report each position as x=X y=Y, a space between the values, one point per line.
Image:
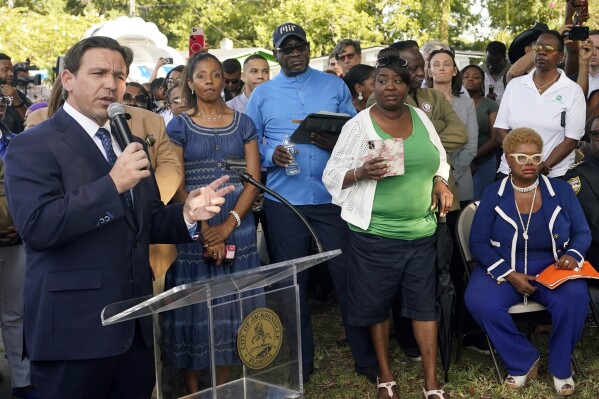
x=87 y=211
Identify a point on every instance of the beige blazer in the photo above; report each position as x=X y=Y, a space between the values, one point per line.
x=167 y=168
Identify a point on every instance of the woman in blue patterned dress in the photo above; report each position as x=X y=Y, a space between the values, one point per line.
x=204 y=136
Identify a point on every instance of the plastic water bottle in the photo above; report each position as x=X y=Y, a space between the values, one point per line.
x=293 y=167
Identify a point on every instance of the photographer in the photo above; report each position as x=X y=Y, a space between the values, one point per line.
x=21 y=77
x=15 y=114
x=21 y=80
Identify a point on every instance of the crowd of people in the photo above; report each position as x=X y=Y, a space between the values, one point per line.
x=511 y=133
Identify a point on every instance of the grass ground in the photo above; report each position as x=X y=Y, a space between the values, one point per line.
x=472 y=377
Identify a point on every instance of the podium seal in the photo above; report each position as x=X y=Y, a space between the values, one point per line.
x=259 y=338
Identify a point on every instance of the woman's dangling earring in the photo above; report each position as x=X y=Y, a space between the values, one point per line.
x=360 y=96
x=192 y=92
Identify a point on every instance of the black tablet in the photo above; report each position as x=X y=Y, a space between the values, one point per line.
x=328 y=123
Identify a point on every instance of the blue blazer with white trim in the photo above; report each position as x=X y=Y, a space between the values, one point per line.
x=495 y=227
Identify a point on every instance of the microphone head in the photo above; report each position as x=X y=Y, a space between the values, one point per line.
x=115 y=109
x=235 y=163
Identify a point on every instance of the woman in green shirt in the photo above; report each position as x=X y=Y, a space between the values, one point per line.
x=392 y=219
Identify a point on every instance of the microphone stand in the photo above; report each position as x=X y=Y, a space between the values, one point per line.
x=238 y=166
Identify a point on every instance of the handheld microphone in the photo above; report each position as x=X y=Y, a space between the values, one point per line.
x=116 y=112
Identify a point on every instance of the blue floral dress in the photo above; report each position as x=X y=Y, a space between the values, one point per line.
x=185 y=331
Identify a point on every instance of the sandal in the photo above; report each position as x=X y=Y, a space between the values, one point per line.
x=437 y=392
x=564 y=387
x=389 y=385
x=518 y=381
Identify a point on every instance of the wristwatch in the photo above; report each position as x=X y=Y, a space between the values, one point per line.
x=440 y=178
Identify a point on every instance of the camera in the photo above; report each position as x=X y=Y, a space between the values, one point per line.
x=21 y=75
x=25 y=81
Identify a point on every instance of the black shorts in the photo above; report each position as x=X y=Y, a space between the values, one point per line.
x=381 y=268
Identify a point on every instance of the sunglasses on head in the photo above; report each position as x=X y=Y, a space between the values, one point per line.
x=233 y=81
x=522 y=159
x=140 y=99
x=391 y=60
x=544 y=47
x=287 y=50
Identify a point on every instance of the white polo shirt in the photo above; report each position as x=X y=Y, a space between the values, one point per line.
x=523 y=106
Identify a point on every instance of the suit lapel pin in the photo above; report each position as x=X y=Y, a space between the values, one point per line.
x=150 y=140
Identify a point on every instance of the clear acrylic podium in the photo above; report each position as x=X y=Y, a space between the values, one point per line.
x=268 y=362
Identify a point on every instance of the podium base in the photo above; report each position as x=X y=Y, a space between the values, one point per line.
x=247 y=388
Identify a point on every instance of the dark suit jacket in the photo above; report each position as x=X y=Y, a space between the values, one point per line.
x=84 y=250
x=167 y=169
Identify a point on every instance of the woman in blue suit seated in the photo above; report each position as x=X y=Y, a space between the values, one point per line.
x=524 y=223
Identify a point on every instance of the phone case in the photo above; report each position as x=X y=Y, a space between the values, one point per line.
x=391 y=150
x=229 y=254
x=196 y=40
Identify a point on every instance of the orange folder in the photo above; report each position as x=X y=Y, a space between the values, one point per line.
x=552 y=277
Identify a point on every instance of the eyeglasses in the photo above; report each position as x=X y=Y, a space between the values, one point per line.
x=176 y=101
x=290 y=49
x=348 y=56
x=170 y=81
x=231 y=81
x=140 y=99
x=544 y=47
x=391 y=60
x=594 y=133
x=6 y=101
x=522 y=159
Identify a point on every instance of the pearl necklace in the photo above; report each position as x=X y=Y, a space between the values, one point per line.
x=524 y=189
x=525 y=234
x=212 y=118
x=540 y=88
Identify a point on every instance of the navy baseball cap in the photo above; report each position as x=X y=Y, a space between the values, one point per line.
x=285 y=30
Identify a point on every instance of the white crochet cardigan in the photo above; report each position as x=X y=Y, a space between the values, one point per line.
x=356 y=200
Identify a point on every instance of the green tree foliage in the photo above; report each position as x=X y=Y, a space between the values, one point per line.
x=251 y=23
x=41 y=33
x=424 y=20
x=515 y=16
x=44 y=29
x=518 y=15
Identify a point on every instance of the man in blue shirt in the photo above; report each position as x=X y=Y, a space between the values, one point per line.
x=293 y=94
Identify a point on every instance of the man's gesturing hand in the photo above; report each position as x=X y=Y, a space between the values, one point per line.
x=204 y=203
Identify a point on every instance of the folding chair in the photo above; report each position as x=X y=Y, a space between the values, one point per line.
x=463 y=226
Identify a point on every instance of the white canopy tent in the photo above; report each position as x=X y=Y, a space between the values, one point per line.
x=146 y=41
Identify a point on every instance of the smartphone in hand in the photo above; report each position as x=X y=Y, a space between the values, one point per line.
x=197 y=41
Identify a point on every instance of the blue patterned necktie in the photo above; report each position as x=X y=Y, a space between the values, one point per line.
x=104 y=136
